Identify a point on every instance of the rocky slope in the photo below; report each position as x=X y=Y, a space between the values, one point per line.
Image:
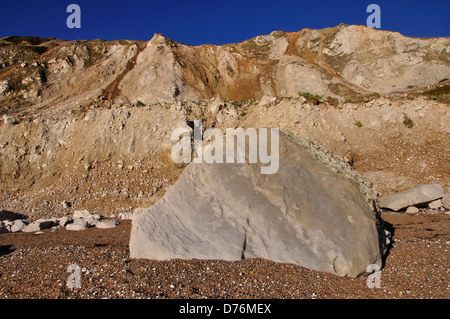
x=89 y=122
x=341 y=62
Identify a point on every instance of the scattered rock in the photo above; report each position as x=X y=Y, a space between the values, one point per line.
x=435 y=204
x=126 y=216
x=5 y=87
x=92 y=220
x=267 y=100
x=412 y=210
x=446 y=201
x=81 y=214
x=8 y=119
x=63 y=221
x=78 y=224
x=416 y=196
x=107 y=223
x=66 y=204
x=38 y=225
x=18 y=225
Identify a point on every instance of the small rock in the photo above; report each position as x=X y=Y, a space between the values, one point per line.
x=63 y=221
x=18 y=225
x=39 y=225
x=412 y=210
x=7 y=119
x=81 y=214
x=267 y=100
x=66 y=204
x=126 y=216
x=436 y=204
x=107 y=223
x=93 y=219
x=446 y=201
x=78 y=224
x=39 y=233
x=415 y=196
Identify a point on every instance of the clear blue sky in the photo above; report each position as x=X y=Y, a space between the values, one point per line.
x=211 y=21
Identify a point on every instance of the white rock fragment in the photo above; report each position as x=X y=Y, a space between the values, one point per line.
x=78 y=224
x=93 y=219
x=18 y=225
x=63 y=221
x=81 y=214
x=38 y=225
x=107 y=223
x=435 y=204
x=7 y=119
x=126 y=216
x=415 y=196
x=412 y=210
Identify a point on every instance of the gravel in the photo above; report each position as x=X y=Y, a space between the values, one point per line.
x=36 y=267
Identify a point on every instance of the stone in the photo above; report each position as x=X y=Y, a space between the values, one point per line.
x=38 y=225
x=315 y=212
x=267 y=101
x=5 y=87
x=66 y=204
x=63 y=221
x=126 y=216
x=435 y=204
x=416 y=196
x=10 y=120
x=81 y=214
x=107 y=223
x=93 y=219
x=18 y=225
x=446 y=200
x=78 y=224
x=412 y=210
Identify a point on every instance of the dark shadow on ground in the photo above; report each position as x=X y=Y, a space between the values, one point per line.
x=7 y=215
x=6 y=249
x=390 y=228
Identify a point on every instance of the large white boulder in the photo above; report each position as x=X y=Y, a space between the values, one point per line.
x=315 y=211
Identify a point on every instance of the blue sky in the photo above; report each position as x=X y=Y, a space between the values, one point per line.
x=217 y=22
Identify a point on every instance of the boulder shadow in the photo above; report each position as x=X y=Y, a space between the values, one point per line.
x=6 y=249
x=391 y=229
x=7 y=215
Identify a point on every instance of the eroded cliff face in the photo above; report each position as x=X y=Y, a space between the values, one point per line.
x=340 y=62
x=89 y=122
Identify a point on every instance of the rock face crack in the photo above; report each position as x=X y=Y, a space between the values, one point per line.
x=244 y=245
